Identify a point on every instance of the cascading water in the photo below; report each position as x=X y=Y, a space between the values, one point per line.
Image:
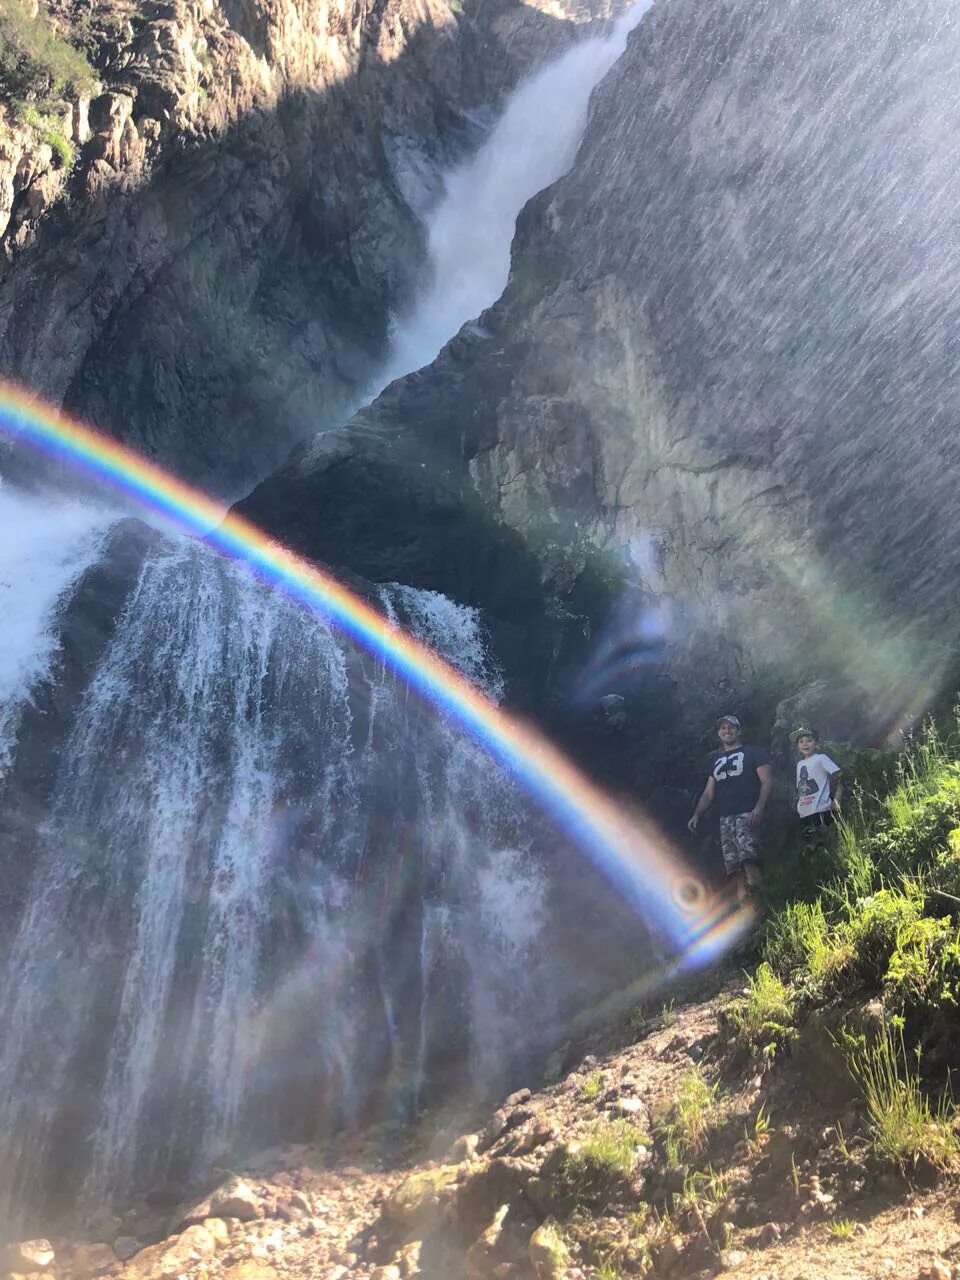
x=37 y=566
x=470 y=232
x=266 y=876
x=274 y=895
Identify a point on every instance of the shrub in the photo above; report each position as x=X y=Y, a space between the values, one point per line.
x=924 y=966
x=874 y=923
x=35 y=63
x=62 y=149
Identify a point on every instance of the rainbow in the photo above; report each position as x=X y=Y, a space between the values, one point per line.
x=628 y=850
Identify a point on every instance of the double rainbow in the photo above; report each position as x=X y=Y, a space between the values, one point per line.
x=630 y=852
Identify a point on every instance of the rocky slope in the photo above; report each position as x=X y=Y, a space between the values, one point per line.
x=721 y=376
x=206 y=225
x=572 y=1182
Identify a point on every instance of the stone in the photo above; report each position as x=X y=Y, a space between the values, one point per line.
x=125 y=1247
x=235 y=1199
x=389 y=1272
x=416 y=1203
x=408 y=1259
x=770 y=1234
x=518 y=1098
x=250 y=1269
x=495 y=1127
x=219 y=1231
x=27 y=1255
x=465 y=1148
x=730 y=1259
x=630 y=1106
x=481 y=1256
x=92 y=1260
x=548 y=1253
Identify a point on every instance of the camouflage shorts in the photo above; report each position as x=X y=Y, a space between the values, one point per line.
x=739 y=842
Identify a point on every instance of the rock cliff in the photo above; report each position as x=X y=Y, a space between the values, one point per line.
x=722 y=376
x=206 y=221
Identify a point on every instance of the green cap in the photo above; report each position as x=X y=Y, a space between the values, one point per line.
x=802 y=731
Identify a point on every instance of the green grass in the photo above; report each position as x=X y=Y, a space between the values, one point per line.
x=591 y=1086
x=692 y=1118
x=904 y=1127
x=763 y=1019
x=613 y=1146
x=842 y=1229
x=602 y=1167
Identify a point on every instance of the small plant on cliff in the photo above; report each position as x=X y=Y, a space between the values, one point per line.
x=841 y=1229
x=35 y=62
x=60 y=146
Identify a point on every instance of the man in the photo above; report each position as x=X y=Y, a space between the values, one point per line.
x=740 y=781
x=819 y=783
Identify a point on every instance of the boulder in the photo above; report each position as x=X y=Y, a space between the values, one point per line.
x=548 y=1253
x=482 y=1254
x=92 y=1260
x=126 y=1246
x=27 y=1256
x=417 y=1203
x=235 y=1199
x=219 y=1231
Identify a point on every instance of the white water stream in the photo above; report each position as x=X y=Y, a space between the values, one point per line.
x=470 y=232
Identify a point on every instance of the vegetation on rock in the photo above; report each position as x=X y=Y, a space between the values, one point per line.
x=36 y=64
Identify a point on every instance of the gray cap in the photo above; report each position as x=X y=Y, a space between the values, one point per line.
x=730 y=720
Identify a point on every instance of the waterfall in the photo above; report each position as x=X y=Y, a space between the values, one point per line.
x=470 y=232
x=273 y=895
x=41 y=556
x=269 y=879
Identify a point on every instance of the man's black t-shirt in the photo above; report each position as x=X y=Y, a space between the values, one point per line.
x=735 y=773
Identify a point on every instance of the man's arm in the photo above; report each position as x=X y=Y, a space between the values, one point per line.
x=704 y=803
x=765 y=774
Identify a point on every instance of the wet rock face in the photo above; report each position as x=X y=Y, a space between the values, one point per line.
x=723 y=360
x=213 y=279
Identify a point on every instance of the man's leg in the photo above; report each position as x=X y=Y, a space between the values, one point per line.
x=731 y=856
x=748 y=855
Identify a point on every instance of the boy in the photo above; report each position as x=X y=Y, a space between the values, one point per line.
x=819 y=783
x=740 y=781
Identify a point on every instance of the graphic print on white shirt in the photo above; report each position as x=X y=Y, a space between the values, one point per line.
x=813 y=784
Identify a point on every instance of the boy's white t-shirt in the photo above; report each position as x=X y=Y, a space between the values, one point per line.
x=813 y=783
